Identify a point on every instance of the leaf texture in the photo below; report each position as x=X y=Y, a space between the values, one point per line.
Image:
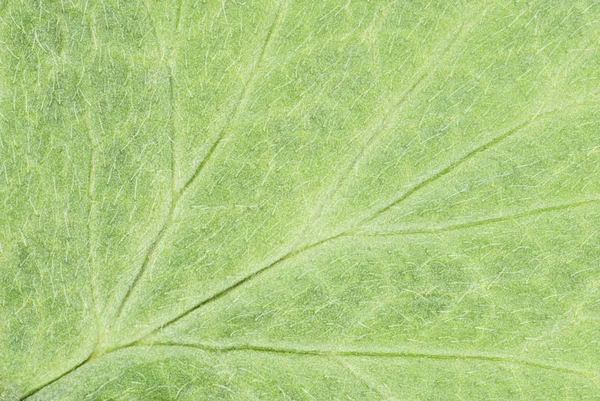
x=383 y=200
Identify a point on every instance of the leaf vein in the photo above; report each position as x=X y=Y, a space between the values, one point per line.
x=468 y=156
x=484 y=357
x=344 y=364
x=340 y=354
x=240 y=282
x=476 y=223
x=178 y=196
x=349 y=232
x=242 y=99
x=37 y=389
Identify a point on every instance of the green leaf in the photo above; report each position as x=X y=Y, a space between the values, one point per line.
x=299 y=200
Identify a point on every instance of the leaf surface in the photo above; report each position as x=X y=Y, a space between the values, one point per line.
x=299 y=200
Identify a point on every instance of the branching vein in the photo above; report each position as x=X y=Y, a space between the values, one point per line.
x=493 y=358
x=170 y=216
x=476 y=223
x=348 y=232
x=356 y=228
x=340 y=354
x=466 y=157
x=243 y=97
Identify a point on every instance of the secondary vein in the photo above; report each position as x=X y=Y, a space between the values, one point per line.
x=350 y=231
x=179 y=195
x=476 y=223
x=466 y=157
x=242 y=99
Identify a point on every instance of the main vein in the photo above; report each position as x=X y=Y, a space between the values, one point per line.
x=436 y=355
x=341 y=354
x=337 y=355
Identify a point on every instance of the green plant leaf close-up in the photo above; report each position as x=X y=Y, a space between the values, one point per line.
x=299 y=200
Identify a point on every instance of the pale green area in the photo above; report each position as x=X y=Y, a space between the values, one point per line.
x=299 y=200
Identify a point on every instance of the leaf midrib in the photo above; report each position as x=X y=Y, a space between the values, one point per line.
x=335 y=354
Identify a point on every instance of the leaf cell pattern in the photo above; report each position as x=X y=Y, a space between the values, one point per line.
x=299 y=200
